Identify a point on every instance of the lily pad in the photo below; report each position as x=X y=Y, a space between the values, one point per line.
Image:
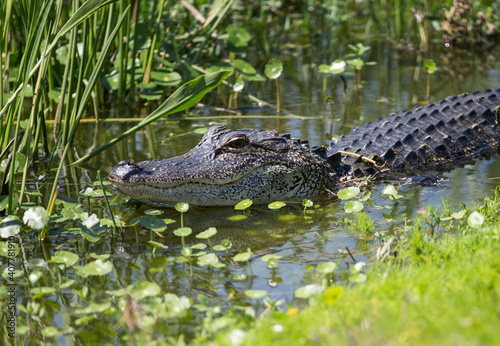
x=207 y=234
x=326 y=267
x=276 y=205
x=348 y=193
x=246 y=203
x=353 y=206
x=183 y=231
x=97 y=267
x=65 y=257
x=255 y=294
x=142 y=289
x=308 y=291
x=273 y=69
x=153 y=223
x=182 y=207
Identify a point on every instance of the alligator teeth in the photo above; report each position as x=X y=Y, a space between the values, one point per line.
x=161 y=190
x=170 y=190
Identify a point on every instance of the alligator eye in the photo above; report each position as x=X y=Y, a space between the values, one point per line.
x=236 y=142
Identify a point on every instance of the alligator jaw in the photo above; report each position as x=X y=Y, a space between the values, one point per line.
x=226 y=192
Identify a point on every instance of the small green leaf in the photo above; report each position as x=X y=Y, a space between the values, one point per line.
x=208 y=259
x=459 y=214
x=390 y=191
x=276 y=205
x=308 y=291
x=273 y=69
x=326 y=267
x=153 y=223
x=242 y=257
x=246 y=203
x=207 y=234
x=255 y=294
x=142 y=289
x=430 y=65
x=307 y=203
x=182 y=207
x=68 y=258
x=336 y=67
x=97 y=267
x=348 y=193
x=183 y=231
x=353 y=206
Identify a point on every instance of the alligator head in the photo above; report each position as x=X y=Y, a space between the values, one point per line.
x=229 y=166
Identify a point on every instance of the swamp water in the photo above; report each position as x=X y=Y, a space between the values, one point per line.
x=302 y=240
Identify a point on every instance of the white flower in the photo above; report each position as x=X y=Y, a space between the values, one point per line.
x=10 y=226
x=236 y=336
x=278 y=328
x=36 y=218
x=90 y=221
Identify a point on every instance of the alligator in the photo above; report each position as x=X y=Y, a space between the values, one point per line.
x=228 y=166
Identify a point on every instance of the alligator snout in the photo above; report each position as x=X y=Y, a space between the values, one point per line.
x=123 y=170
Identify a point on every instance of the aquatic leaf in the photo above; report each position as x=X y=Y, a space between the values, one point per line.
x=36 y=218
x=238 y=84
x=220 y=66
x=246 y=203
x=103 y=256
x=34 y=276
x=459 y=214
x=353 y=206
x=475 y=219
x=200 y=130
x=336 y=67
x=247 y=71
x=164 y=77
x=157 y=244
x=348 y=193
x=208 y=259
x=67 y=258
x=142 y=289
x=90 y=234
x=182 y=207
x=37 y=292
x=4 y=203
x=357 y=63
x=150 y=91
x=97 y=267
x=267 y=257
x=326 y=267
x=237 y=41
x=199 y=246
x=207 y=234
x=6 y=249
x=307 y=203
x=276 y=205
x=242 y=257
x=152 y=212
x=308 y=291
x=153 y=223
x=255 y=294
x=183 y=231
x=10 y=226
x=94 y=308
x=273 y=69
x=430 y=65
x=390 y=191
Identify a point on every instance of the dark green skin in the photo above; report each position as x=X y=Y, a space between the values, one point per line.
x=228 y=166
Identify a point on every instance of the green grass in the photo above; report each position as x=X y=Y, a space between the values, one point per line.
x=437 y=290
